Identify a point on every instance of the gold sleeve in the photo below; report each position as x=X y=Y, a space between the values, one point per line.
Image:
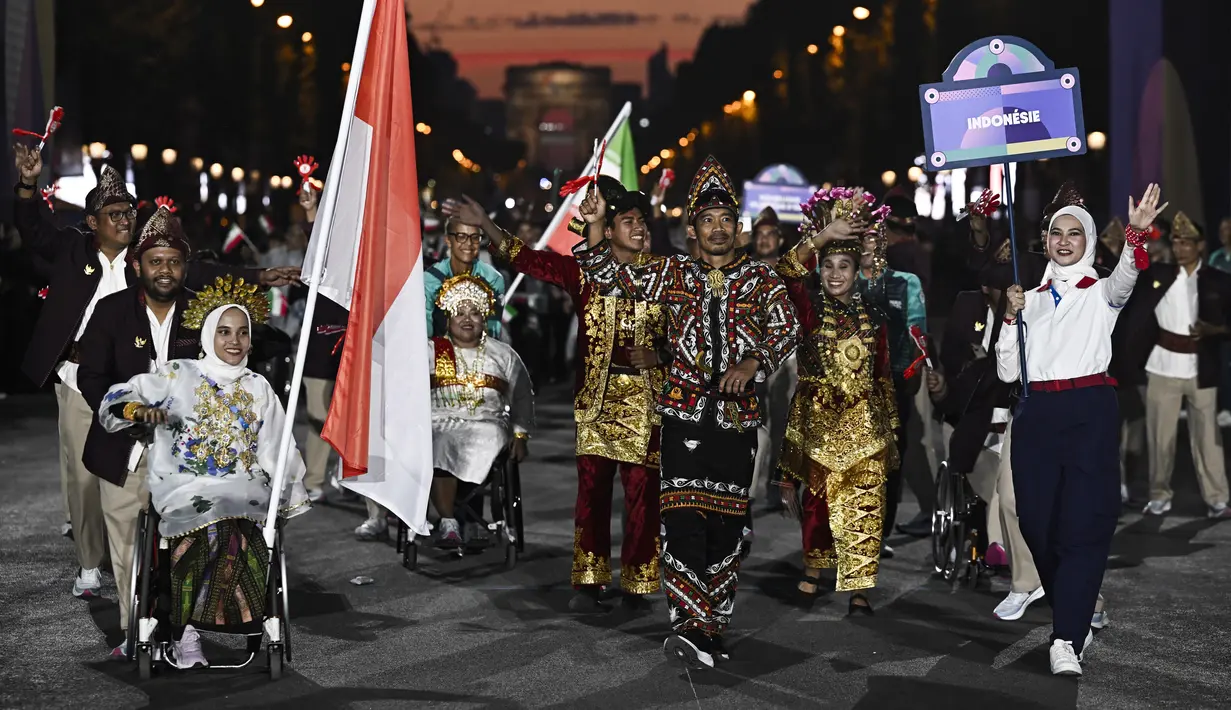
x=788 y=266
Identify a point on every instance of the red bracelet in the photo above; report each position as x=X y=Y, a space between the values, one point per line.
x=1137 y=239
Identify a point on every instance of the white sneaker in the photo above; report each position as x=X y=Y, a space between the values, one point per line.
x=1085 y=646
x=372 y=529
x=1100 y=620
x=1224 y=419
x=87 y=584
x=1156 y=507
x=1063 y=660
x=1219 y=511
x=188 y=653
x=315 y=495
x=450 y=533
x=1014 y=605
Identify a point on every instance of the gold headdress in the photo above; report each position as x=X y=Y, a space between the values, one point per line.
x=829 y=205
x=1183 y=228
x=465 y=289
x=1113 y=233
x=227 y=291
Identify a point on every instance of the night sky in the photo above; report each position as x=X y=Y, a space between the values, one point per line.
x=486 y=36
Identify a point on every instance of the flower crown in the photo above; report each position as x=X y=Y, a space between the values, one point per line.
x=829 y=205
x=227 y=291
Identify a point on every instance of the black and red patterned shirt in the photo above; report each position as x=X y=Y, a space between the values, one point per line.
x=716 y=318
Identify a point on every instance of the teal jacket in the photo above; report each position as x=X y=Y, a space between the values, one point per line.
x=435 y=276
x=899 y=297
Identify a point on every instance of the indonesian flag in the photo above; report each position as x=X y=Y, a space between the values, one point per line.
x=618 y=161
x=279 y=306
x=235 y=237
x=380 y=417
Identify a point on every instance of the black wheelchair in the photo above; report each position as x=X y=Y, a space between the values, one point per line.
x=503 y=489
x=959 y=535
x=148 y=628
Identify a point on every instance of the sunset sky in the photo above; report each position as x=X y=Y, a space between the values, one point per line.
x=486 y=36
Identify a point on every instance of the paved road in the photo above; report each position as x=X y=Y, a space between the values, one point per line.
x=469 y=635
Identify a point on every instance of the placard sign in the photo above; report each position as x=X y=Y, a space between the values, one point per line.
x=1002 y=100
x=780 y=186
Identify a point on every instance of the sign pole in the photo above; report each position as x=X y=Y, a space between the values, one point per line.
x=1021 y=322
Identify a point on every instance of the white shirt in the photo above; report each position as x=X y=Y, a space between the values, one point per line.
x=1176 y=312
x=113 y=280
x=161 y=334
x=1069 y=338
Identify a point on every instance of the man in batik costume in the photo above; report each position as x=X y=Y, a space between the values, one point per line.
x=620 y=351
x=729 y=325
x=839 y=439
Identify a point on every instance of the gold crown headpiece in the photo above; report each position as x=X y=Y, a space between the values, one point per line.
x=227 y=291
x=828 y=205
x=465 y=289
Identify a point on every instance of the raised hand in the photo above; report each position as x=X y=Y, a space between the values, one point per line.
x=29 y=163
x=465 y=209
x=1143 y=214
x=985 y=206
x=593 y=207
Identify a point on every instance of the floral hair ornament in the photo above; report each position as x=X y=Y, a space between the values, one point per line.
x=53 y=124
x=49 y=194
x=465 y=289
x=578 y=184
x=829 y=205
x=305 y=165
x=227 y=291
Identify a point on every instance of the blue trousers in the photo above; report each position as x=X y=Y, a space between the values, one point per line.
x=1066 y=473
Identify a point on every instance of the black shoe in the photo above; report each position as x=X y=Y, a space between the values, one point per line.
x=692 y=647
x=805 y=600
x=587 y=601
x=636 y=602
x=718 y=649
x=859 y=606
x=887 y=552
x=920 y=526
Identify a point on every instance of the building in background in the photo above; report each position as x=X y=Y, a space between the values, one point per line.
x=558 y=110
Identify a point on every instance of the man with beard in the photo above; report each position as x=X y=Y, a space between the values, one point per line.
x=729 y=325
x=88 y=263
x=133 y=332
x=620 y=353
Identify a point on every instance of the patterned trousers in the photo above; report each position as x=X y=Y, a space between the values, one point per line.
x=706 y=473
x=842 y=523
x=592 y=525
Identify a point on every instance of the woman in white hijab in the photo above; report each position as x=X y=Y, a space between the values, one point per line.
x=217 y=431
x=1065 y=453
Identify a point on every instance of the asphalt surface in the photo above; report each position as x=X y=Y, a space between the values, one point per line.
x=468 y=634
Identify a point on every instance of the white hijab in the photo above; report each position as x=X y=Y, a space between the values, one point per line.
x=212 y=365
x=1085 y=267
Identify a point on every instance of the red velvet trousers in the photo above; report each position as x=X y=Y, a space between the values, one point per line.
x=639 y=554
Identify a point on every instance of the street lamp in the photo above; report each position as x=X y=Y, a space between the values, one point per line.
x=750 y=96
x=1097 y=140
x=257 y=3
x=275 y=181
x=140 y=151
x=306 y=37
x=839 y=30
x=284 y=21
x=286 y=182
x=813 y=49
x=198 y=164
x=666 y=153
x=215 y=170
x=168 y=156
x=97 y=149
x=861 y=13
x=914 y=173
x=237 y=174
x=888 y=178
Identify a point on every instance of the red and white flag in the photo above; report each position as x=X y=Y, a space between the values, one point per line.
x=380 y=417
x=235 y=237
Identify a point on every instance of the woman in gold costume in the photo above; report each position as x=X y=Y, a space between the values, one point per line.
x=839 y=439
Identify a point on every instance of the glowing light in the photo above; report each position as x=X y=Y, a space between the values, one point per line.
x=222 y=200
x=839 y=30
x=345 y=66
x=510 y=203
x=861 y=13
x=914 y=173
x=215 y=170
x=549 y=208
x=1097 y=140
x=275 y=181
x=306 y=37
x=97 y=150
x=777 y=73
x=423 y=128
x=257 y=3
x=198 y=164
x=254 y=175
x=645 y=170
x=140 y=151
x=654 y=162
x=458 y=155
x=683 y=142
x=241 y=204
x=284 y=21
x=644 y=123
x=750 y=96
x=544 y=184
x=237 y=174
x=286 y=182
x=888 y=178
x=676 y=212
x=168 y=156
x=813 y=49
x=666 y=153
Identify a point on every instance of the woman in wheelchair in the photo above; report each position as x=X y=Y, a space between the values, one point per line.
x=482 y=406
x=839 y=440
x=217 y=430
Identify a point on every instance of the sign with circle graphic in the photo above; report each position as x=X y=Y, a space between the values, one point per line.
x=1002 y=100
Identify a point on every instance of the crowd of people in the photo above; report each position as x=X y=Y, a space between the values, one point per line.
x=738 y=367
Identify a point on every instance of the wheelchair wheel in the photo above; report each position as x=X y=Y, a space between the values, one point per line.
x=942 y=518
x=145 y=660
x=137 y=578
x=284 y=589
x=410 y=555
x=956 y=548
x=402 y=537
x=512 y=504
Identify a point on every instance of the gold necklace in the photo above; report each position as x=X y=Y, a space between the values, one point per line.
x=471 y=378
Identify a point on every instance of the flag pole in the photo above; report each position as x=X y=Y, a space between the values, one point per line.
x=321 y=229
x=566 y=205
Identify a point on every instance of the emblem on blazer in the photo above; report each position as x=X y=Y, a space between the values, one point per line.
x=88 y=269
x=979 y=327
x=139 y=342
x=1157 y=284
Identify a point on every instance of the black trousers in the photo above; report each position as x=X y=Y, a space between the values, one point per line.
x=893 y=478
x=1066 y=475
x=705 y=475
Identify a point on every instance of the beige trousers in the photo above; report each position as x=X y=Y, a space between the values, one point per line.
x=780 y=387
x=80 y=487
x=121 y=505
x=983 y=479
x=1164 y=396
x=317 y=393
x=1021 y=563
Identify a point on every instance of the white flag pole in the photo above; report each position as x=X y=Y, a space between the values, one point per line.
x=320 y=228
x=566 y=206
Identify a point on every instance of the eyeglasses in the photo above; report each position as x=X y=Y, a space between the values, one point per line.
x=120 y=215
x=466 y=237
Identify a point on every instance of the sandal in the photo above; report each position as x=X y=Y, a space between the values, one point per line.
x=807 y=599
x=864 y=609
